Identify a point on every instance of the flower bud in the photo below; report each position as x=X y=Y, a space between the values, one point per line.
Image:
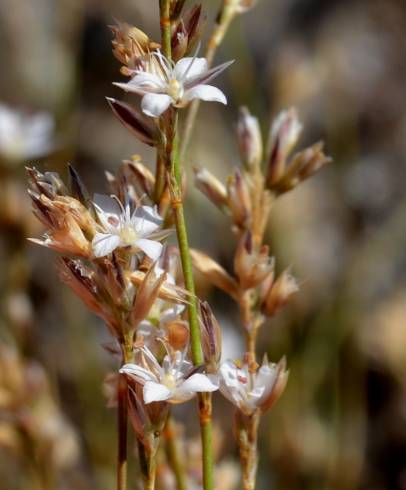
x=284 y=134
x=141 y=127
x=207 y=183
x=239 y=199
x=249 y=138
x=252 y=266
x=279 y=293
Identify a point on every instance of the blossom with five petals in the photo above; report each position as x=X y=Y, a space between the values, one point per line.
x=176 y=381
x=122 y=227
x=162 y=83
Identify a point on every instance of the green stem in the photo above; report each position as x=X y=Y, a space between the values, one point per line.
x=226 y=15
x=172 y=454
x=165 y=21
x=122 y=418
x=175 y=174
x=195 y=340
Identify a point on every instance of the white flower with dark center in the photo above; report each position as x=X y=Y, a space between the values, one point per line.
x=163 y=83
x=122 y=227
x=24 y=136
x=251 y=388
x=175 y=381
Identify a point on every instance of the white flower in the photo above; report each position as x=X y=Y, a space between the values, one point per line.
x=250 y=388
x=123 y=228
x=172 y=382
x=24 y=136
x=164 y=83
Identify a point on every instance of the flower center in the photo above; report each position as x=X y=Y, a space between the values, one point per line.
x=169 y=381
x=128 y=235
x=175 y=89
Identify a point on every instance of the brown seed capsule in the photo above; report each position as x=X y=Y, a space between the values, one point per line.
x=177 y=333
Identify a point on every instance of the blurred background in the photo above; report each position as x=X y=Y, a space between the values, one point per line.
x=341 y=424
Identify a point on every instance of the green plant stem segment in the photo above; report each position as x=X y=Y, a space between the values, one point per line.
x=165 y=21
x=172 y=453
x=122 y=417
x=195 y=341
x=175 y=174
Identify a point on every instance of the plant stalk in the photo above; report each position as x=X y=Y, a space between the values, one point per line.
x=247 y=437
x=165 y=22
x=205 y=408
x=122 y=420
x=175 y=177
x=172 y=454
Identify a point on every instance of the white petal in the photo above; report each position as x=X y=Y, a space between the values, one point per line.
x=138 y=372
x=187 y=69
x=143 y=83
x=149 y=247
x=155 y=392
x=155 y=104
x=198 y=383
x=143 y=227
x=205 y=92
x=104 y=243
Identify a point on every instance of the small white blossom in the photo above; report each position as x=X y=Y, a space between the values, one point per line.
x=24 y=136
x=173 y=382
x=138 y=229
x=249 y=388
x=163 y=83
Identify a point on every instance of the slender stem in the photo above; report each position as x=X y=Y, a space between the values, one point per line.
x=122 y=435
x=122 y=420
x=175 y=175
x=195 y=340
x=226 y=15
x=247 y=435
x=165 y=21
x=172 y=453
